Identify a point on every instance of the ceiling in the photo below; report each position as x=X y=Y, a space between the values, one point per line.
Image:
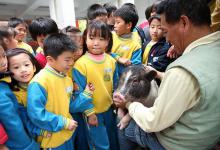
x=29 y=9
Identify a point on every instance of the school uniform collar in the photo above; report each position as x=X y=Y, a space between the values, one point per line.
x=55 y=72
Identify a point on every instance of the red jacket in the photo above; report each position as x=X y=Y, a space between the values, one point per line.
x=3 y=135
x=41 y=59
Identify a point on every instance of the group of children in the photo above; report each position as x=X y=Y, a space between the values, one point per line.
x=61 y=97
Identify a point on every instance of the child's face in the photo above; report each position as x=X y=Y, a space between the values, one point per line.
x=156 y=31
x=121 y=27
x=96 y=45
x=103 y=18
x=40 y=40
x=21 y=67
x=63 y=63
x=22 y=32
x=78 y=53
x=3 y=60
x=76 y=37
x=10 y=43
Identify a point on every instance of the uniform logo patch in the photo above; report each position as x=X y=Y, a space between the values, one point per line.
x=107 y=74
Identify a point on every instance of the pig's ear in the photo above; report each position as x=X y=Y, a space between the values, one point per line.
x=150 y=75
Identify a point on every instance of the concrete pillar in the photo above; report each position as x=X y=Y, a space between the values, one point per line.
x=63 y=12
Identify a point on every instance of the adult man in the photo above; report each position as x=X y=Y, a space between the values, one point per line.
x=186 y=114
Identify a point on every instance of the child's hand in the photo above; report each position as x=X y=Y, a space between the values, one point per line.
x=90 y=87
x=171 y=53
x=72 y=125
x=3 y=147
x=124 y=61
x=92 y=120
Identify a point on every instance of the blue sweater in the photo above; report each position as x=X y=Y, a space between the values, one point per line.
x=9 y=117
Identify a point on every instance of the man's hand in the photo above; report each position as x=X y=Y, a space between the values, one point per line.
x=119 y=100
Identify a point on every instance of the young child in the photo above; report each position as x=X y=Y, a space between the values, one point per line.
x=97 y=12
x=50 y=92
x=76 y=36
x=155 y=53
x=23 y=66
x=126 y=44
x=21 y=27
x=39 y=29
x=98 y=68
x=9 y=111
x=110 y=11
x=7 y=35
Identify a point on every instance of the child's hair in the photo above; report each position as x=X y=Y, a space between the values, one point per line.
x=16 y=51
x=71 y=29
x=6 y=32
x=57 y=43
x=7 y=73
x=100 y=29
x=14 y=22
x=42 y=26
x=95 y=10
x=153 y=17
x=131 y=7
x=109 y=8
x=128 y=15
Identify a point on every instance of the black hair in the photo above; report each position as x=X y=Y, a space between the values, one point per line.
x=154 y=17
x=6 y=32
x=42 y=26
x=16 y=51
x=152 y=8
x=109 y=8
x=95 y=10
x=148 y=12
x=57 y=43
x=71 y=29
x=14 y=22
x=131 y=6
x=98 y=28
x=6 y=73
x=128 y=15
x=197 y=11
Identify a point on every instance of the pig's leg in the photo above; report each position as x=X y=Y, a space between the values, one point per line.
x=124 y=121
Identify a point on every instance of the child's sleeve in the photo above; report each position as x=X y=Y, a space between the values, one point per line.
x=32 y=129
x=115 y=77
x=83 y=97
x=115 y=56
x=37 y=98
x=12 y=123
x=136 y=57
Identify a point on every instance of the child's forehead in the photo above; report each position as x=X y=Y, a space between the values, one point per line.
x=21 y=25
x=94 y=32
x=155 y=20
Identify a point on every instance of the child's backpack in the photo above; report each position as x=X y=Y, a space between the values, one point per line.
x=144 y=35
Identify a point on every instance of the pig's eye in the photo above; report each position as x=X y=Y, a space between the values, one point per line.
x=135 y=80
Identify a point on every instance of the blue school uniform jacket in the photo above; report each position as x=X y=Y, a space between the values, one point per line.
x=9 y=117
